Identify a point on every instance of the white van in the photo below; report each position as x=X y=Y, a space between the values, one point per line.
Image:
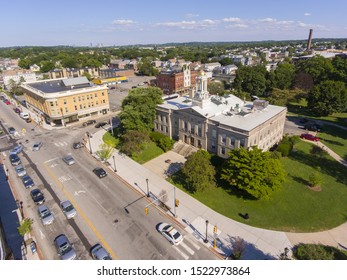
x=24 y=115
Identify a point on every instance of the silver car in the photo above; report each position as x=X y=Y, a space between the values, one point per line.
x=68 y=209
x=98 y=252
x=170 y=233
x=64 y=248
x=69 y=160
x=45 y=214
x=37 y=146
x=20 y=170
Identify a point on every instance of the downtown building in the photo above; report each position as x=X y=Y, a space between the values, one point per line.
x=219 y=124
x=61 y=101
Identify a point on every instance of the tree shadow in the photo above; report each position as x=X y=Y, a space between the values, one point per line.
x=327 y=166
x=300 y=180
x=249 y=250
x=332 y=141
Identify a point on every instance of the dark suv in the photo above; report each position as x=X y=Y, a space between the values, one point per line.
x=89 y=122
x=100 y=172
x=37 y=196
x=15 y=160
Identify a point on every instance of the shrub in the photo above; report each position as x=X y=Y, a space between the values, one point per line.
x=317 y=252
x=284 y=148
x=162 y=141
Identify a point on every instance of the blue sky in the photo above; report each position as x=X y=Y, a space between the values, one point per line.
x=107 y=22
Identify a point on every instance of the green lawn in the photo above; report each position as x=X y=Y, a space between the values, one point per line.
x=110 y=140
x=151 y=151
x=295 y=208
x=335 y=138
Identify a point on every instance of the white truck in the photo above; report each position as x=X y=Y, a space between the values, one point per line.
x=24 y=115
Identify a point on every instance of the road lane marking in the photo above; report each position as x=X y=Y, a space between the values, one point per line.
x=84 y=217
x=180 y=252
x=192 y=242
x=189 y=250
x=50 y=160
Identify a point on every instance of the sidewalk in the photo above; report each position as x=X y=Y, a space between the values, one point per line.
x=192 y=215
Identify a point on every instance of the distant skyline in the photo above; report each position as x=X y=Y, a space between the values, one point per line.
x=117 y=23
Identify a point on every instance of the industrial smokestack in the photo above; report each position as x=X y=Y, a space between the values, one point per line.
x=309 y=40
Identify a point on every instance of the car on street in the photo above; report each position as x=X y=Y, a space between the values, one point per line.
x=310 y=137
x=17 y=110
x=170 y=233
x=37 y=196
x=45 y=214
x=98 y=252
x=89 y=122
x=20 y=170
x=77 y=145
x=100 y=172
x=16 y=150
x=11 y=130
x=313 y=127
x=7 y=102
x=64 y=248
x=69 y=160
x=68 y=209
x=14 y=159
x=37 y=146
x=101 y=124
x=27 y=182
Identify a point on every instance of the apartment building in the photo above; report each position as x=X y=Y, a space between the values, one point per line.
x=17 y=76
x=177 y=81
x=72 y=72
x=61 y=101
x=219 y=124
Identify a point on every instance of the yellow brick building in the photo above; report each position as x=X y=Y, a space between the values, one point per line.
x=61 y=101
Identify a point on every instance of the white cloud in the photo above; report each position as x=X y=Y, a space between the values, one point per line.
x=307 y=14
x=190 y=24
x=237 y=25
x=231 y=19
x=190 y=15
x=267 y=20
x=123 y=22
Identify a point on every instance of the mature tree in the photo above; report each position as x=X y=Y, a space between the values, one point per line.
x=251 y=79
x=146 y=68
x=139 y=108
x=199 y=172
x=318 y=67
x=47 y=66
x=303 y=81
x=226 y=61
x=340 y=69
x=327 y=98
x=24 y=63
x=254 y=172
x=315 y=179
x=133 y=142
x=314 y=252
x=283 y=76
x=216 y=88
x=283 y=97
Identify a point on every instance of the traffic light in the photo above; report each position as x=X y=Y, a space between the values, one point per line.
x=215 y=229
x=146 y=210
x=177 y=202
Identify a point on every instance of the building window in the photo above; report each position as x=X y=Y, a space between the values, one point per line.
x=156 y=126
x=103 y=94
x=52 y=112
x=88 y=105
x=66 y=110
x=79 y=98
x=242 y=142
x=83 y=98
x=51 y=103
x=224 y=139
x=87 y=97
x=103 y=101
x=95 y=95
x=214 y=133
x=74 y=99
x=64 y=101
x=96 y=102
x=92 y=104
x=166 y=129
x=200 y=129
x=213 y=145
x=84 y=106
x=222 y=150
x=232 y=141
x=56 y=103
x=91 y=96
x=75 y=107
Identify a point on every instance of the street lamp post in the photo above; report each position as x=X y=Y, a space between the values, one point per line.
x=90 y=146
x=147 y=188
x=114 y=164
x=206 y=240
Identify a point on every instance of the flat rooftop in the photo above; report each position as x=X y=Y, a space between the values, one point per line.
x=61 y=85
x=228 y=110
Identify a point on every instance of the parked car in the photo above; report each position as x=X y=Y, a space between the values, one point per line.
x=64 y=248
x=27 y=181
x=77 y=145
x=101 y=124
x=313 y=127
x=310 y=137
x=89 y=122
x=100 y=172
x=98 y=252
x=16 y=150
x=69 y=160
x=37 y=196
x=20 y=170
x=7 y=102
x=68 y=209
x=37 y=146
x=17 y=110
x=170 y=233
x=45 y=214
x=11 y=130
x=14 y=159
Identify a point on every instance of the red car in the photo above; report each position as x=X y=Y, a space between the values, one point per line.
x=7 y=102
x=310 y=137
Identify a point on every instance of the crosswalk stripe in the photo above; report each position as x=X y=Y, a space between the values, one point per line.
x=180 y=252
x=185 y=246
x=193 y=243
x=56 y=144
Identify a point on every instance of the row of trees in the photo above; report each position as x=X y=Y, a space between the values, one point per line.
x=320 y=80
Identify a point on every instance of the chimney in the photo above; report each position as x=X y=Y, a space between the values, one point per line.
x=309 y=40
